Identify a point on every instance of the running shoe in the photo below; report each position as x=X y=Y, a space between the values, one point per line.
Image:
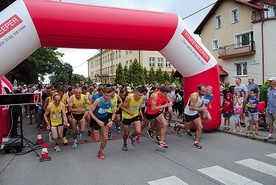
x=89 y=132
x=119 y=130
x=79 y=136
x=197 y=145
x=255 y=136
x=162 y=144
x=69 y=132
x=248 y=134
x=189 y=133
x=175 y=127
x=158 y=138
x=179 y=133
x=75 y=145
x=109 y=136
x=137 y=138
x=133 y=142
x=50 y=138
x=124 y=148
x=150 y=133
x=268 y=137
x=57 y=148
x=100 y=155
x=65 y=141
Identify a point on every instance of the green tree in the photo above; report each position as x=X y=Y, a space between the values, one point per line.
x=63 y=73
x=42 y=62
x=151 y=76
x=145 y=71
x=137 y=75
x=159 y=76
x=120 y=75
x=127 y=75
x=166 y=77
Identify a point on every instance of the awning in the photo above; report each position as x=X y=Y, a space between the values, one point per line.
x=222 y=72
x=177 y=74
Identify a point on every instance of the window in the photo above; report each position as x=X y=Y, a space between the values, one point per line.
x=271 y=11
x=244 y=39
x=218 y=21
x=234 y=15
x=215 y=44
x=151 y=61
x=126 y=52
x=241 y=69
x=168 y=64
x=119 y=53
x=116 y=54
x=130 y=62
x=126 y=63
x=160 y=62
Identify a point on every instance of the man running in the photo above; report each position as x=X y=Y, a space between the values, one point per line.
x=56 y=109
x=101 y=119
x=78 y=113
x=131 y=114
x=194 y=105
x=157 y=102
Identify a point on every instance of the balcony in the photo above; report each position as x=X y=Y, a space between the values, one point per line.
x=237 y=50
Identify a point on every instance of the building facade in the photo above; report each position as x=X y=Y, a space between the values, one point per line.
x=240 y=34
x=102 y=66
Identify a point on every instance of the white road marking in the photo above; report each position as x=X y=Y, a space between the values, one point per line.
x=259 y=166
x=168 y=181
x=226 y=177
x=272 y=155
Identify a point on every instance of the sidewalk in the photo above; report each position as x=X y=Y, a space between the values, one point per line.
x=262 y=132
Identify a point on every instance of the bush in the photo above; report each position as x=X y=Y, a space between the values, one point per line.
x=263 y=91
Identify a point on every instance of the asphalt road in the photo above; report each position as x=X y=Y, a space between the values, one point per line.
x=224 y=159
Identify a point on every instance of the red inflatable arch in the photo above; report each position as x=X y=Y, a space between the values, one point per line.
x=27 y=25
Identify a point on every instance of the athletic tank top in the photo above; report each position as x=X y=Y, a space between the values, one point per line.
x=56 y=114
x=161 y=100
x=198 y=104
x=64 y=100
x=115 y=102
x=133 y=106
x=101 y=110
x=78 y=104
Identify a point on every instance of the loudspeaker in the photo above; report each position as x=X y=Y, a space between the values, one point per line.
x=13 y=148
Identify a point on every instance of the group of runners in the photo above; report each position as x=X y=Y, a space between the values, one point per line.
x=99 y=108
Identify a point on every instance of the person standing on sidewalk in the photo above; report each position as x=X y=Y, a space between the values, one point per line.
x=244 y=93
x=100 y=119
x=271 y=107
x=253 y=86
x=253 y=112
x=227 y=109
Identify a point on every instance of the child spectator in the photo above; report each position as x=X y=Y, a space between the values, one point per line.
x=238 y=107
x=227 y=108
x=252 y=105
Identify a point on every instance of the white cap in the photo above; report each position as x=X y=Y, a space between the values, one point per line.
x=272 y=78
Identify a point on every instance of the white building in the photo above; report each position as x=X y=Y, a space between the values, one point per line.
x=241 y=35
x=105 y=72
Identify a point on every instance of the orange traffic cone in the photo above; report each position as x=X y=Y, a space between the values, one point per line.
x=44 y=156
x=39 y=140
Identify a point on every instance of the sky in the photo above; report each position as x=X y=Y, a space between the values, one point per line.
x=183 y=8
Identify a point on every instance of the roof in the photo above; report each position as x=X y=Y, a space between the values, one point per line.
x=216 y=6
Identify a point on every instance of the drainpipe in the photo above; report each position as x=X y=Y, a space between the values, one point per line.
x=262 y=37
